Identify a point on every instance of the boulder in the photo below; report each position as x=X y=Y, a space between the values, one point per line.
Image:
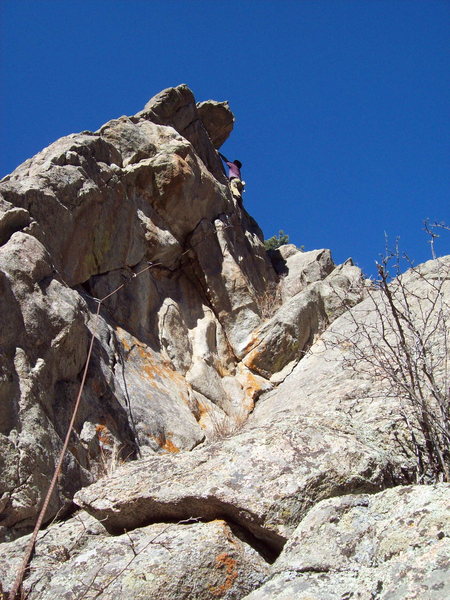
x=176 y=107
x=12 y=219
x=311 y=294
x=217 y=119
x=395 y=544
x=79 y=559
x=343 y=288
x=298 y=269
x=284 y=338
x=262 y=478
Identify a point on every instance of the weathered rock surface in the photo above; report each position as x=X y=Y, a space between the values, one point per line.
x=41 y=320
x=300 y=268
x=326 y=431
x=344 y=391
x=321 y=433
x=217 y=119
x=263 y=478
x=141 y=206
x=395 y=544
x=246 y=387
x=341 y=287
x=312 y=293
x=78 y=559
x=176 y=107
x=287 y=335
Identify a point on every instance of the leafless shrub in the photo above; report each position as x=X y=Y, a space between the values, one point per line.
x=110 y=459
x=270 y=301
x=432 y=231
x=224 y=426
x=402 y=340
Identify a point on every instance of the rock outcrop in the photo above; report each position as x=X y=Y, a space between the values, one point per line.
x=78 y=559
x=224 y=415
x=217 y=119
x=142 y=205
x=327 y=430
x=395 y=544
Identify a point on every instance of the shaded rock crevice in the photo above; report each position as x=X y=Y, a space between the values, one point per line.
x=209 y=508
x=12 y=220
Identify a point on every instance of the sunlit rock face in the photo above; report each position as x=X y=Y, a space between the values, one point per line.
x=145 y=194
x=218 y=411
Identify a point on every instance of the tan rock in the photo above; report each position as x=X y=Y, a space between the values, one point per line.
x=287 y=335
x=234 y=273
x=90 y=212
x=327 y=430
x=264 y=478
x=217 y=119
x=302 y=268
x=41 y=320
x=176 y=107
x=142 y=210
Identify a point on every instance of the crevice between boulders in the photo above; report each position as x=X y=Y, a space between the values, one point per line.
x=145 y=511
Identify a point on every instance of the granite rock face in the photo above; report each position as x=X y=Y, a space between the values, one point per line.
x=395 y=544
x=326 y=430
x=141 y=208
x=41 y=319
x=78 y=559
x=224 y=402
x=217 y=119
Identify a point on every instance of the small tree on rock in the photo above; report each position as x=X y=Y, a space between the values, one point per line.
x=276 y=240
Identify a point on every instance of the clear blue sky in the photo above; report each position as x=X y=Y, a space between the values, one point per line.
x=342 y=106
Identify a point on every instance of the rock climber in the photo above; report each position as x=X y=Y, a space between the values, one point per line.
x=234 y=175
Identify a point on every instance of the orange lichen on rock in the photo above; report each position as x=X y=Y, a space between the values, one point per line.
x=149 y=372
x=165 y=444
x=121 y=335
x=251 y=360
x=225 y=562
x=201 y=413
x=151 y=365
x=156 y=369
x=103 y=434
x=170 y=446
x=251 y=344
x=252 y=389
